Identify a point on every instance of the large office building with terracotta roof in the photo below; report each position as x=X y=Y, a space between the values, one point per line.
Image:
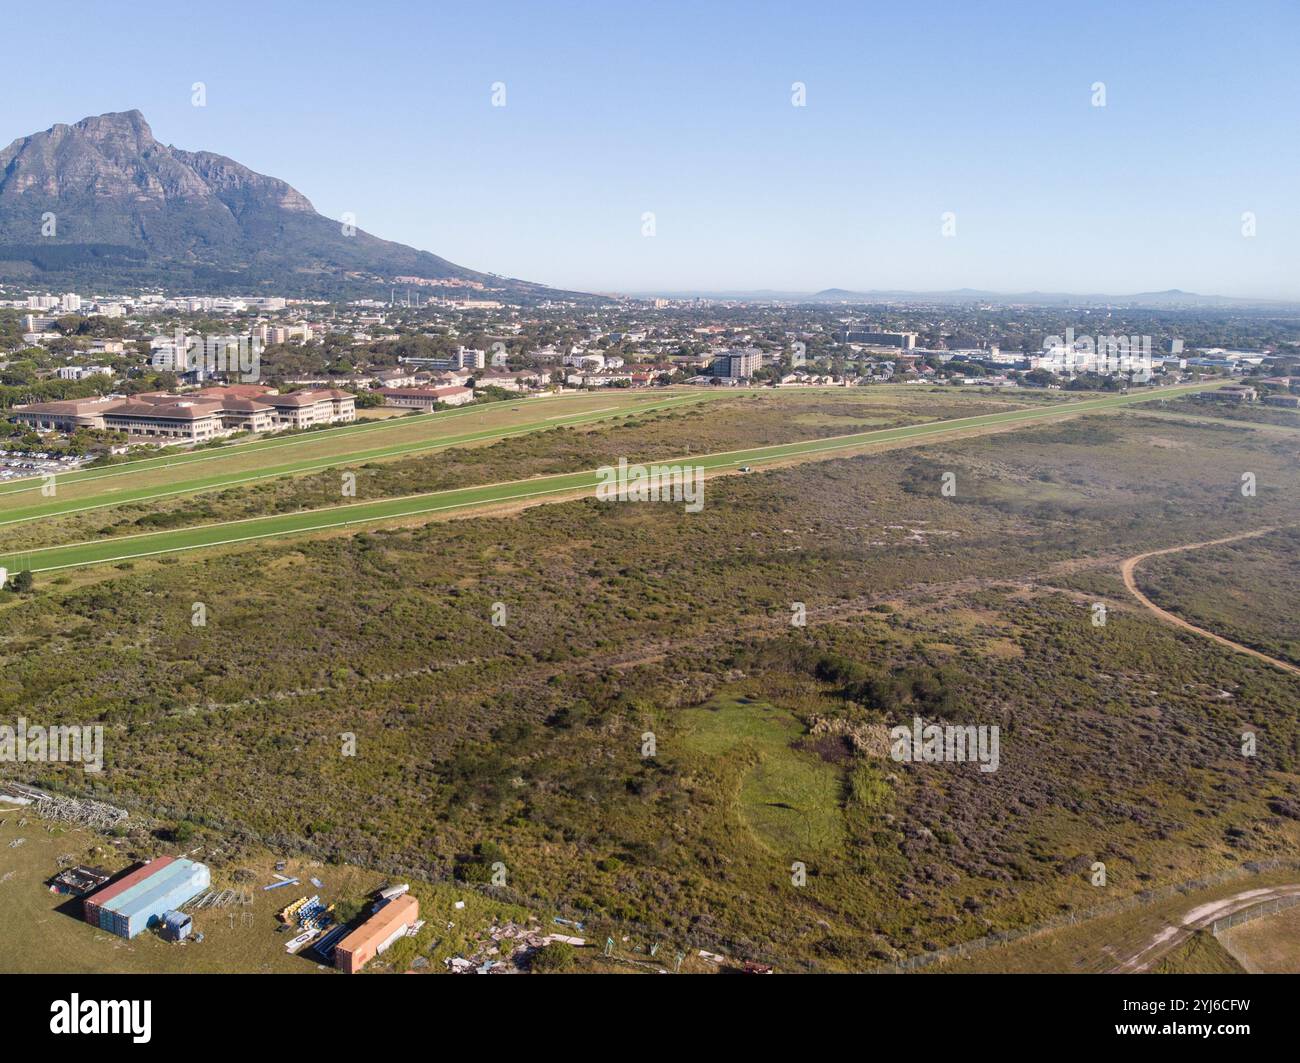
x=64 y=415
x=302 y=409
x=194 y=417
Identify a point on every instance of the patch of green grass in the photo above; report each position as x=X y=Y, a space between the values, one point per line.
x=789 y=799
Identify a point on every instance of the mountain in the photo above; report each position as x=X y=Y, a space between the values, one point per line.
x=129 y=209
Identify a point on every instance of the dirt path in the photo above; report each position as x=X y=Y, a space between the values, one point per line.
x=1129 y=567
x=1198 y=918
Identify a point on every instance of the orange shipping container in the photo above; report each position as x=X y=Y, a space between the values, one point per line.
x=378 y=932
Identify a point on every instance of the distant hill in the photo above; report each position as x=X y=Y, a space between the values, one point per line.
x=1173 y=299
x=1167 y=300
x=130 y=209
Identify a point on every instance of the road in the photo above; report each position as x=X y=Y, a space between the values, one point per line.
x=523 y=492
x=1129 y=571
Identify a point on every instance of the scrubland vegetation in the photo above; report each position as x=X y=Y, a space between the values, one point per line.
x=524 y=744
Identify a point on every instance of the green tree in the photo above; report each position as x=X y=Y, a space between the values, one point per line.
x=557 y=957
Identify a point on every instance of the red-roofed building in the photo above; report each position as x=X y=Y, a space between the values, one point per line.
x=426 y=398
x=302 y=409
x=182 y=419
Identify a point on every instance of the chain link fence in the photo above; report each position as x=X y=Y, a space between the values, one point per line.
x=1277 y=904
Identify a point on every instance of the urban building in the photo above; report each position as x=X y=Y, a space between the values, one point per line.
x=195 y=416
x=303 y=409
x=64 y=415
x=80 y=372
x=426 y=398
x=185 y=420
x=904 y=340
x=738 y=364
x=1230 y=393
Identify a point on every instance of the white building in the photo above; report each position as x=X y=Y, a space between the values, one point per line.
x=80 y=372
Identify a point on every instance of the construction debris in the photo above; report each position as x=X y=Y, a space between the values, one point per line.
x=506 y=950
x=94 y=814
x=79 y=880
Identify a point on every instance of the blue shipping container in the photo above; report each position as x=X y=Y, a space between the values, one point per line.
x=176 y=925
x=141 y=906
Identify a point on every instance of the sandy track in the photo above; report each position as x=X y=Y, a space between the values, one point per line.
x=1198 y=918
x=1129 y=568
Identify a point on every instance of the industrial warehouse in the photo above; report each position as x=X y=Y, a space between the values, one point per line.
x=143 y=897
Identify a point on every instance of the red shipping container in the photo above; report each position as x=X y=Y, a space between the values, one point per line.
x=92 y=903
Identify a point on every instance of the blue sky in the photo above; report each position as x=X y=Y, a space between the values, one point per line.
x=614 y=109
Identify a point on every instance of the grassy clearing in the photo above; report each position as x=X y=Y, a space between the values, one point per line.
x=788 y=798
x=661 y=428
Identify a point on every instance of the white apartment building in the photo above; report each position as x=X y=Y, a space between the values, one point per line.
x=80 y=372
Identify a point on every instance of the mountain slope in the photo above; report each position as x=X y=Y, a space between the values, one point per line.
x=126 y=207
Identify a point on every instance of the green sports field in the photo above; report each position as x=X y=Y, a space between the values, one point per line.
x=220 y=467
x=519 y=492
